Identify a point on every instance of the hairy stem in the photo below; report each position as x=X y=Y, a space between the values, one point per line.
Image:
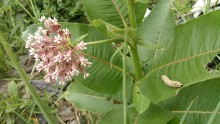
x=131 y=12
x=136 y=60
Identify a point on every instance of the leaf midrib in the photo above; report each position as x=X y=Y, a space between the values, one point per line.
x=109 y=64
x=160 y=33
x=87 y=95
x=194 y=112
x=179 y=61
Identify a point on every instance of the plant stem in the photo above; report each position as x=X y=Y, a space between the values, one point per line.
x=125 y=114
x=136 y=60
x=131 y=12
x=45 y=110
x=125 y=79
x=103 y=41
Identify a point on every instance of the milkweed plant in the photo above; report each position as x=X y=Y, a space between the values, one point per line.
x=116 y=64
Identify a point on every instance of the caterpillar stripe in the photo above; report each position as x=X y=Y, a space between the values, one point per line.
x=214 y=64
x=170 y=83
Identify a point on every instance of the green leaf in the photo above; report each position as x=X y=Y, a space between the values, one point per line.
x=106 y=11
x=215 y=113
x=11 y=104
x=119 y=49
x=30 y=30
x=78 y=39
x=114 y=32
x=175 y=120
x=108 y=29
x=87 y=99
x=185 y=58
x=8 y=119
x=12 y=89
x=140 y=10
x=156 y=31
x=104 y=76
x=153 y=115
x=202 y=108
x=142 y=1
x=10 y=108
x=140 y=101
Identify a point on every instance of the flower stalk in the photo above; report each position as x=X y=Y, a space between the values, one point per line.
x=125 y=93
x=102 y=41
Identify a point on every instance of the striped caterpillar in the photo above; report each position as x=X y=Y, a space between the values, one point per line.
x=214 y=64
x=170 y=83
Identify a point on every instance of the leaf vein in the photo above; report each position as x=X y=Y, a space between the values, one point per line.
x=160 y=33
x=195 y=112
x=181 y=60
x=108 y=63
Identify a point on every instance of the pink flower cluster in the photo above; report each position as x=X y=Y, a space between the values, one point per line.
x=52 y=48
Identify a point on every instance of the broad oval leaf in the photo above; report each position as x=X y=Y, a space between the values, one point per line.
x=12 y=89
x=87 y=99
x=185 y=58
x=116 y=33
x=104 y=76
x=153 y=115
x=175 y=120
x=156 y=31
x=108 y=30
x=141 y=102
x=207 y=94
x=105 y=10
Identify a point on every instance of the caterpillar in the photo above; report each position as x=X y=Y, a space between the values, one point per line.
x=170 y=83
x=214 y=64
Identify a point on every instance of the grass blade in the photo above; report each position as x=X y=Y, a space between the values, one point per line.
x=43 y=107
x=187 y=110
x=20 y=4
x=212 y=118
